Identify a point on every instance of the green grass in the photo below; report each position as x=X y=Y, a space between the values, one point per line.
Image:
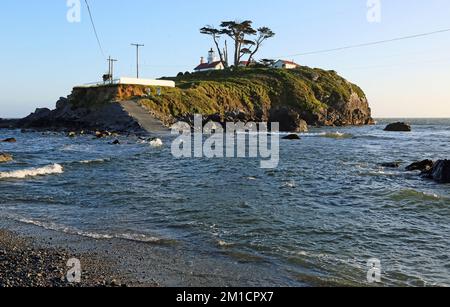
x=251 y=90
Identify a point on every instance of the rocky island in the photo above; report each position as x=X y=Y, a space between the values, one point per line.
x=295 y=98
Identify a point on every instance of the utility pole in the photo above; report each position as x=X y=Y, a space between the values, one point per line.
x=137 y=57
x=111 y=68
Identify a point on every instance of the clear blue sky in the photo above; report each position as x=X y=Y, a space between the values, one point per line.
x=42 y=55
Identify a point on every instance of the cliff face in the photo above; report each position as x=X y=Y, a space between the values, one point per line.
x=290 y=97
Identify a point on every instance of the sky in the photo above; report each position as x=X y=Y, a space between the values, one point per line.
x=43 y=55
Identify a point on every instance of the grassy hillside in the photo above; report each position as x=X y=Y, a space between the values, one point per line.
x=316 y=96
x=253 y=91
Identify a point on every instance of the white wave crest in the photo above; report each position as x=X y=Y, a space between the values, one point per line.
x=156 y=142
x=33 y=172
x=93 y=235
x=94 y=161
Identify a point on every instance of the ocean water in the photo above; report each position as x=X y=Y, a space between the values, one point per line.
x=316 y=219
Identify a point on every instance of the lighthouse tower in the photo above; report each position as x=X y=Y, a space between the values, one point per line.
x=211 y=56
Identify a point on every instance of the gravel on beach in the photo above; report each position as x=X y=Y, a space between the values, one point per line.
x=22 y=264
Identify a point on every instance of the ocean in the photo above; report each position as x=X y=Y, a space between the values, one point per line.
x=315 y=220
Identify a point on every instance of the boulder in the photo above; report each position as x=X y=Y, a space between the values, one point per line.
x=102 y=134
x=5 y=157
x=291 y=137
x=116 y=142
x=398 y=127
x=9 y=140
x=441 y=171
x=289 y=120
x=72 y=134
x=423 y=166
x=391 y=164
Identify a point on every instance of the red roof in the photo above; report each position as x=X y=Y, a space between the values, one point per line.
x=208 y=65
x=289 y=62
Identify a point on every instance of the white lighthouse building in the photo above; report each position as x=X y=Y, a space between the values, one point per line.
x=213 y=63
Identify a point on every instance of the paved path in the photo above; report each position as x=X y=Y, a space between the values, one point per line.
x=143 y=117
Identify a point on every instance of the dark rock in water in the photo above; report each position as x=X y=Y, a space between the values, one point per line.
x=398 y=127
x=391 y=164
x=102 y=134
x=291 y=137
x=116 y=142
x=72 y=134
x=423 y=166
x=5 y=157
x=9 y=140
x=289 y=120
x=441 y=171
x=8 y=123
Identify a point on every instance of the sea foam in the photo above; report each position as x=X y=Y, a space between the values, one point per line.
x=33 y=172
x=156 y=142
x=92 y=235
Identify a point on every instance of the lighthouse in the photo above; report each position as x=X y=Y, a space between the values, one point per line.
x=213 y=63
x=211 y=56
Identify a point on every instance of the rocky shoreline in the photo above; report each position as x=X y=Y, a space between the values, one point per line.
x=23 y=264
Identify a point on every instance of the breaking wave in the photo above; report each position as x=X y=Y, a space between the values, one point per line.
x=93 y=235
x=155 y=142
x=33 y=172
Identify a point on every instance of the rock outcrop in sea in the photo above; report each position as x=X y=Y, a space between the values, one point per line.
x=423 y=166
x=398 y=127
x=4 y=157
x=294 y=98
x=440 y=172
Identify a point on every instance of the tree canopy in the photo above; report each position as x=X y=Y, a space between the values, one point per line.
x=247 y=40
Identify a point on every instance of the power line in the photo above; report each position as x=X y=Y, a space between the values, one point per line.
x=410 y=64
x=94 y=28
x=368 y=44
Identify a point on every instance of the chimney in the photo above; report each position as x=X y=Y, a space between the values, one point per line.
x=202 y=60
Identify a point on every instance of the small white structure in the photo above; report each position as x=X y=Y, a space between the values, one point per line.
x=146 y=82
x=282 y=64
x=133 y=81
x=244 y=63
x=212 y=64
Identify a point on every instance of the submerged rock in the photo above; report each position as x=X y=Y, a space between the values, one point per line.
x=5 y=157
x=398 y=127
x=423 y=166
x=9 y=140
x=440 y=171
x=291 y=137
x=391 y=164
